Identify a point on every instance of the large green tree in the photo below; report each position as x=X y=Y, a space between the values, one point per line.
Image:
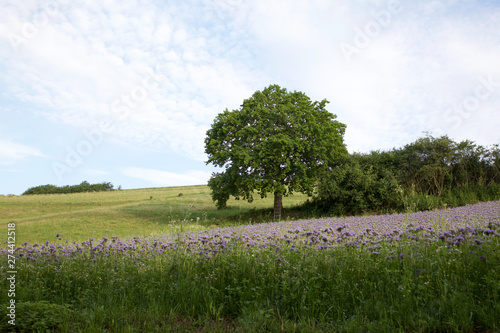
x=277 y=142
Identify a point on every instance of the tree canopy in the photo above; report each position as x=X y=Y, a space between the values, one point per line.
x=276 y=142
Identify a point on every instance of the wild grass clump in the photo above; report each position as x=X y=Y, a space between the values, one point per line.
x=430 y=271
x=39 y=316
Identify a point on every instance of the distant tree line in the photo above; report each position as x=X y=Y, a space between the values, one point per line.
x=83 y=187
x=426 y=174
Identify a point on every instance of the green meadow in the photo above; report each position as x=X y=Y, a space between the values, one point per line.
x=128 y=213
x=434 y=271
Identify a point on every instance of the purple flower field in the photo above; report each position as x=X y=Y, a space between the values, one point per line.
x=472 y=223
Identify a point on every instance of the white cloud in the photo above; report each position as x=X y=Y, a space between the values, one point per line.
x=165 y=178
x=403 y=80
x=11 y=153
x=88 y=58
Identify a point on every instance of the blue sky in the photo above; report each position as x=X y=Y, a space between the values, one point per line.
x=124 y=91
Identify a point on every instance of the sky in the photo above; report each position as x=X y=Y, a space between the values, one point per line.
x=124 y=91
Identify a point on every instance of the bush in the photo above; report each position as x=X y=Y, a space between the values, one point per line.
x=83 y=187
x=350 y=189
x=430 y=173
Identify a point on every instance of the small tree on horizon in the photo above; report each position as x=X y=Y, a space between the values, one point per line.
x=276 y=142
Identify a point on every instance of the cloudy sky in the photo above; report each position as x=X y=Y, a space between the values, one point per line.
x=124 y=91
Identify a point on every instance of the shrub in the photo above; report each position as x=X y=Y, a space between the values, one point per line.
x=350 y=189
x=83 y=187
x=430 y=173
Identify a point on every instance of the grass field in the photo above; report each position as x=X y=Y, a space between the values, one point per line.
x=152 y=261
x=128 y=213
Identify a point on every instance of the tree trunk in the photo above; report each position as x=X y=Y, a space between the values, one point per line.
x=278 y=207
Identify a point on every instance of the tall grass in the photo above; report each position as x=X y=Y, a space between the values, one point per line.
x=454 y=197
x=431 y=288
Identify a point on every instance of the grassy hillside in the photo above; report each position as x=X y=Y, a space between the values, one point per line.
x=127 y=213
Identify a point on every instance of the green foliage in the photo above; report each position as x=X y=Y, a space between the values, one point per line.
x=35 y=317
x=434 y=165
x=429 y=173
x=83 y=187
x=277 y=142
x=426 y=164
x=353 y=189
